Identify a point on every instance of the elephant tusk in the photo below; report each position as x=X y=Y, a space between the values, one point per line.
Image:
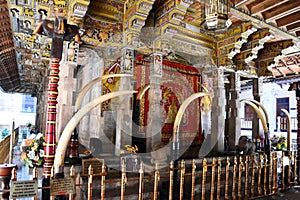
x=259 y=113
x=288 y=128
x=262 y=107
x=90 y=84
x=66 y=134
x=181 y=112
x=143 y=91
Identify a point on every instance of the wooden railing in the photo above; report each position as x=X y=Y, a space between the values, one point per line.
x=239 y=177
x=4 y=150
x=6 y=146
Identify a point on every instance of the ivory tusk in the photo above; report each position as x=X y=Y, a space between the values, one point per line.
x=66 y=134
x=288 y=128
x=262 y=107
x=90 y=84
x=143 y=91
x=259 y=113
x=181 y=112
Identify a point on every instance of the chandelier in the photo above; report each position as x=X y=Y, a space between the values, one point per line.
x=216 y=14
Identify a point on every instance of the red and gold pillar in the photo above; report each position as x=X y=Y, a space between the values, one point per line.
x=50 y=134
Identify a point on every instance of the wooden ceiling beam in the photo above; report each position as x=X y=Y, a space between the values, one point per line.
x=264 y=5
x=298 y=33
x=293 y=27
x=282 y=10
x=290 y=19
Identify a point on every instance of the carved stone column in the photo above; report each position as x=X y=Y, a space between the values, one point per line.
x=124 y=112
x=67 y=86
x=218 y=110
x=234 y=130
x=154 y=114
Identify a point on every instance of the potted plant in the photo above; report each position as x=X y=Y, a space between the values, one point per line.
x=33 y=150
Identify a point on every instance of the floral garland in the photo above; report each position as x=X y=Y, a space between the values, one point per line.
x=33 y=150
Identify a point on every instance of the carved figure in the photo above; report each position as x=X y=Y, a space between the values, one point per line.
x=245 y=146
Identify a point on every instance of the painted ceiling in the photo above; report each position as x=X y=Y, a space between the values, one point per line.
x=263 y=39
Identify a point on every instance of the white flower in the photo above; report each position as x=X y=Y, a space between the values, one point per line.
x=31 y=154
x=42 y=153
x=38 y=136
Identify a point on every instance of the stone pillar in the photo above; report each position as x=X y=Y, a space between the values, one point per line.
x=124 y=111
x=234 y=131
x=154 y=115
x=218 y=110
x=227 y=113
x=67 y=86
x=256 y=96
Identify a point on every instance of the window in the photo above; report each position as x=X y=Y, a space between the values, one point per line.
x=28 y=104
x=282 y=103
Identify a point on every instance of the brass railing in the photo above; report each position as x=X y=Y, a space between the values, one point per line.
x=242 y=177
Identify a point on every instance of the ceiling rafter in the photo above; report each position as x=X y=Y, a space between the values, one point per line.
x=290 y=19
x=262 y=6
x=281 y=11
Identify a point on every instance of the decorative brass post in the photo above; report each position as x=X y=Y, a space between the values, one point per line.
x=254 y=166
x=193 y=179
x=204 y=170
x=72 y=175
x=103 y=174
x=234 y=177
x=219 y=178
x=156 y=180
x=265 y=173
x=259 y=175
x=141 y=183
x=182 y=172
x=212 y=185
x=241 y=169
x=246 y=177
x=270 y=173
x=90 y=183
x=123 y=180
x=227 y=177
x=171 y=180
